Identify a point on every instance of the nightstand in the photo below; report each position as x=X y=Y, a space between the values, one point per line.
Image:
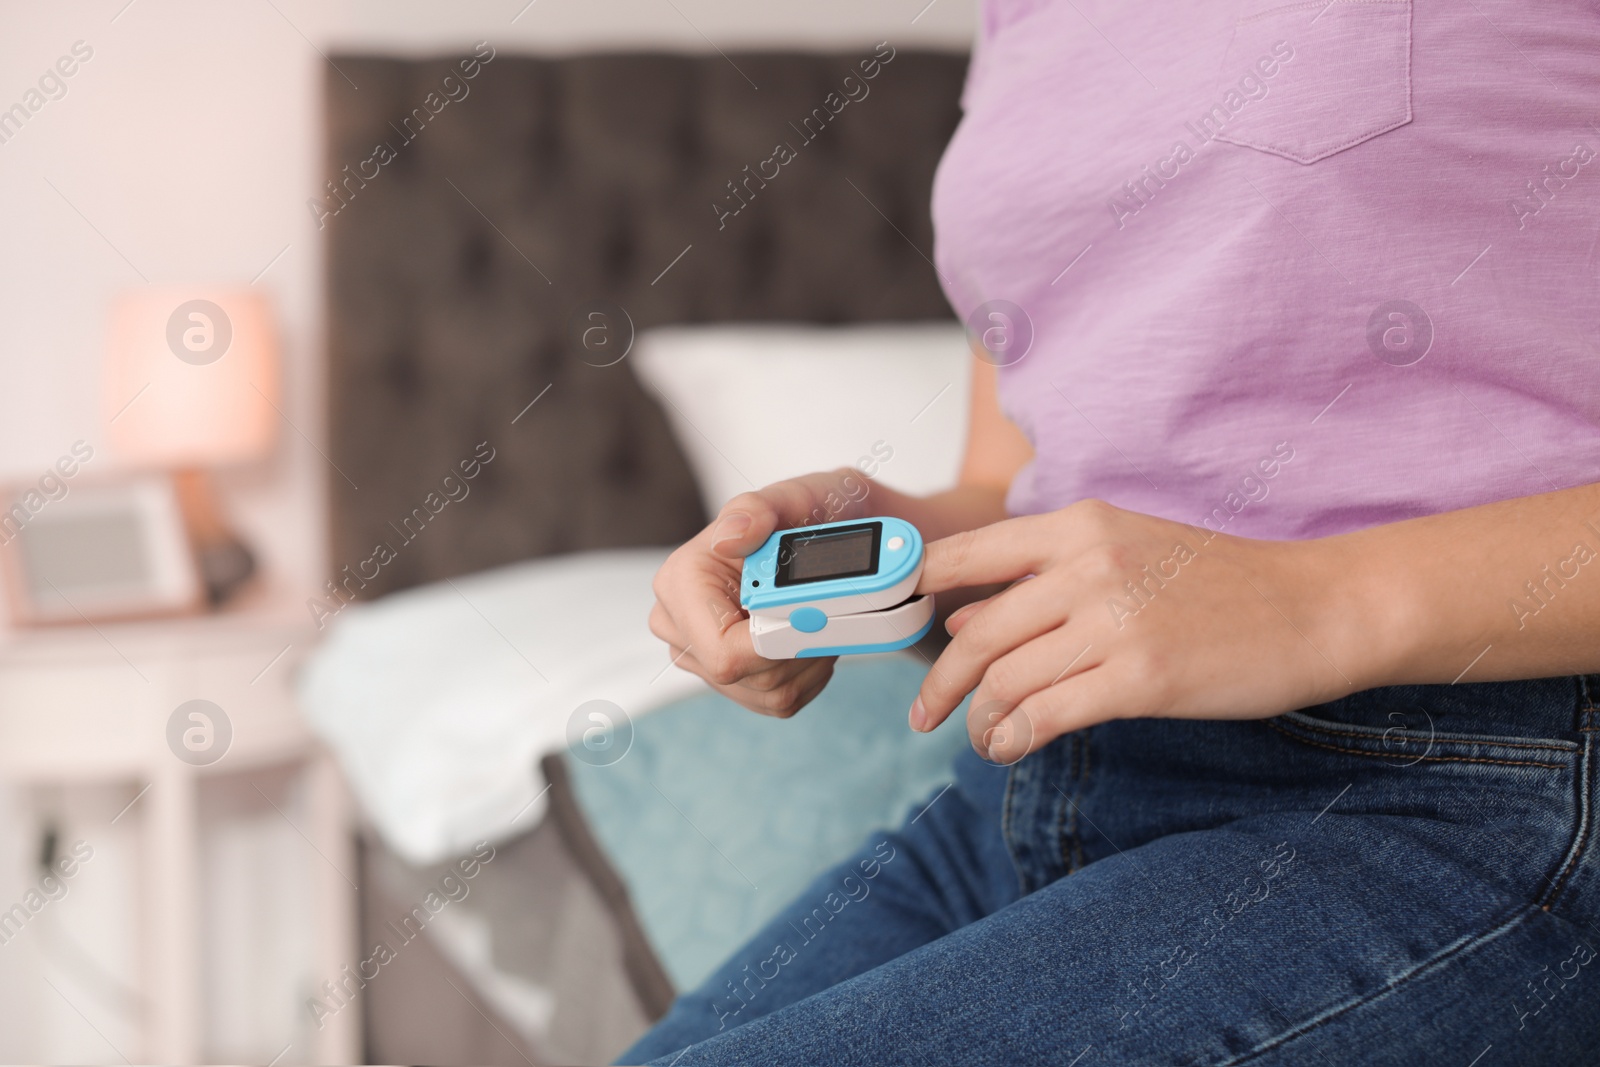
x=96 y=705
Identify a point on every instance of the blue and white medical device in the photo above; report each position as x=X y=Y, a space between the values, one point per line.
x=835 y=589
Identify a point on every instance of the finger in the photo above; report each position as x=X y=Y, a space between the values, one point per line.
x=1078 y=702
x=1047 y=660
x=1000 y=552
x=697 y=593
x=820 y=682
x=959 y=617
x=793 y=695
x=663 y=627
x=786 y=670
x=760 y=680
x=1012 y=681
x=719 y=641
x=1000 y=728
x=684 y=658
x=1006 y=621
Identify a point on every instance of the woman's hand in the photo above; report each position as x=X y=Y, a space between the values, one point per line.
x=1122 y=615
x=697 y=609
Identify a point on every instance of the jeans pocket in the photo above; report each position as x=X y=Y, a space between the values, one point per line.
x=1346 y=78
x=1409 y=738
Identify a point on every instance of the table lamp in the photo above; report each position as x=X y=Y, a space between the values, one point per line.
x=191 y=385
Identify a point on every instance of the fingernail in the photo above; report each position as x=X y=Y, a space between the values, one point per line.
x=919 y=716
x=731 y=528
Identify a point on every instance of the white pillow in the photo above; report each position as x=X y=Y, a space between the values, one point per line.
x=752 y=405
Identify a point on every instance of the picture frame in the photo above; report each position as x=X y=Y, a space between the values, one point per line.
x=93 y=551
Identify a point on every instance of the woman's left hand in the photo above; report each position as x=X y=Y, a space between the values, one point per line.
x=1123 y=615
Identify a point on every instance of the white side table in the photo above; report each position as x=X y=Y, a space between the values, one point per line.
x=92 y=705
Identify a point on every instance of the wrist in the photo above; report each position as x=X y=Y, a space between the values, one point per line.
x=1360 y=617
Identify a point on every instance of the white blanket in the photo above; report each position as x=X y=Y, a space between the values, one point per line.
x=440 y=700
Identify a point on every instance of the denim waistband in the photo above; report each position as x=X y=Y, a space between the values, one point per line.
x=1539 y=708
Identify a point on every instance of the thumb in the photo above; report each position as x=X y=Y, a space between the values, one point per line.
x=746 y=521
x=743 y=526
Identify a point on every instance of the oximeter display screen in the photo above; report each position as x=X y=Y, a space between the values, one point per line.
x=845 y=552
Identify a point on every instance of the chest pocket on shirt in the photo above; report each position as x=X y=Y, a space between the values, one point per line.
x=1306 y=80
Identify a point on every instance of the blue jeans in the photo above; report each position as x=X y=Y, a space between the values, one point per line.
x=1404 y=876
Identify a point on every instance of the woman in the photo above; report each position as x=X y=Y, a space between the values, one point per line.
x=1306 y=424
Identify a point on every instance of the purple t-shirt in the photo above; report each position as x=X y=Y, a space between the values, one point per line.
x=1289 y=269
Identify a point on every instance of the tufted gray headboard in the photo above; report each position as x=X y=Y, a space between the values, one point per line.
x=480 y=209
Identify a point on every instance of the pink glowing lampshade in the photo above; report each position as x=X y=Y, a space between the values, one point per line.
x=191 y=377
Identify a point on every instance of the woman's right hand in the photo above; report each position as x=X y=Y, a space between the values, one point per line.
x=697 y=609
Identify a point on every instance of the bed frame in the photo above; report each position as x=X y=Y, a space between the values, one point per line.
x=464 y=273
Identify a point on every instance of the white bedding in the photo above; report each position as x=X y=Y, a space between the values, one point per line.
x=434 y=703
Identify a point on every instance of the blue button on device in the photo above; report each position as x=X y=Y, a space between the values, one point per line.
x=808 y=620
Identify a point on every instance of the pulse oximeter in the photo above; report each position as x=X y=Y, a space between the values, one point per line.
x=836 y=589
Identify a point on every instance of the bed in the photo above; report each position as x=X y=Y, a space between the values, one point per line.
x=563 y=279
